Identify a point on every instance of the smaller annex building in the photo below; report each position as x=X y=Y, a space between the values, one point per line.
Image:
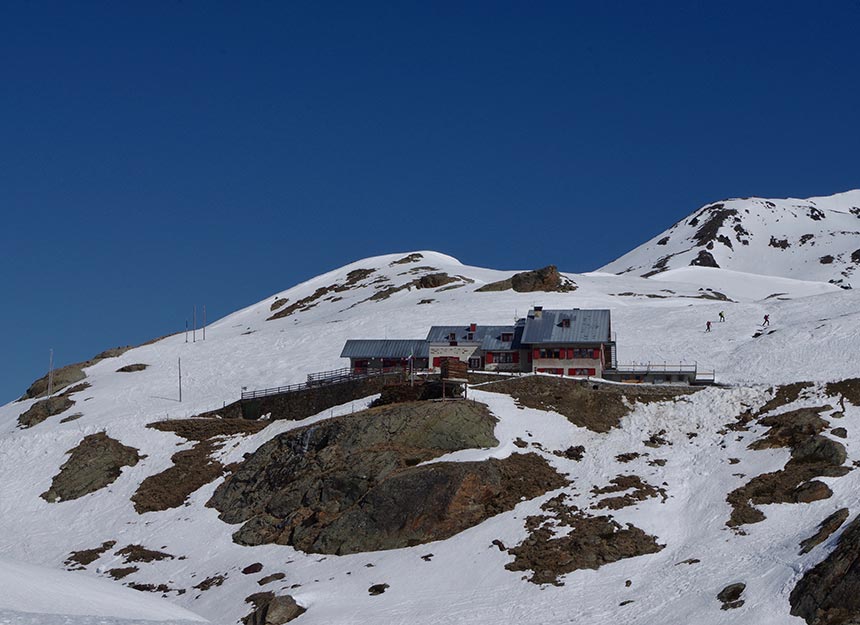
x=576 y=342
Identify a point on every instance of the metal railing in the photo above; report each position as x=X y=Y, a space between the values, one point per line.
x=323 y=378
x=667 y=369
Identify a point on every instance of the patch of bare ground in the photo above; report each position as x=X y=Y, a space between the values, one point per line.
x=845 y=389
x=160 y=588
x=411 y=258
x=428 y=281
x=812 y=456
x=268 y=579
x=139 y=553
x=306 y=303
x=192 y=468
x=637 y=491
x=599 y=409
x=357 y=483
x=121 y=572
x=280 y=301
x=43 y=409
x=138 y=366
x=211 y=582
x=825 y=530
x=97 y=461
x=79 y=559
x=77 y=388
x=591 y=542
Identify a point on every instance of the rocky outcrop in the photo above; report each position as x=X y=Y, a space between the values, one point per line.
x=351 y=484
x=273 y=610
x=812 y=455
x=829 y=593
x=730 y=596
x=96 y=462
x=43 y=409
x=591 y=542
x=132 y=368
x=827 y=527
x=64 y=376
x=546 y=279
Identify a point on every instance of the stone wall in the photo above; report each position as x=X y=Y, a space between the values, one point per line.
x=308 y=402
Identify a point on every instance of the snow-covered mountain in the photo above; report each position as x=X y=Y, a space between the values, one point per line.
x=814 y=239
x=646 y=510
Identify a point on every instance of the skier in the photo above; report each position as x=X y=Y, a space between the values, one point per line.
x=722 y=316
x=766 y=321
x=708 y=326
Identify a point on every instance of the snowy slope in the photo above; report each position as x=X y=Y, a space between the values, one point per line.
x=32 y=593
x=814 y=239
x=814 y=324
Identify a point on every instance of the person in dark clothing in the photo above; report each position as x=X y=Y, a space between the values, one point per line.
x=766 y=321
x=722 y=316
x=708 y=326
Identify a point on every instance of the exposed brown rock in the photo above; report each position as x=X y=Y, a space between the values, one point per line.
x=256 y=567
x=64 y=376
x=812 y=455
x=829 y=593
x=377 y=589
x=638 y=491
x=272 y=610
x=87 y=556
x=192 y=468
x=598 y=409
x=730 y=596
x=132 y=368
x=268 y=579
x=825 y=530
x=139 y=553
x=43 y=409
x=122 y=572
x=95 y=463
x=211 y=582
x=547 y=279
x=306 y=303
x=350 y=484
x=590 y=543
x=411 y=258
x=278 y=303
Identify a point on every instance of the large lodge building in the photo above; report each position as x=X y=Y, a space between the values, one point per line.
x=573 y=342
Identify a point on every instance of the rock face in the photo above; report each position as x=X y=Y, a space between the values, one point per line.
x=350 y=484
x=43 y=409
x=829 y=593
x=546 y=279
x=69 y=374
x=96 y=462
x=730 y=596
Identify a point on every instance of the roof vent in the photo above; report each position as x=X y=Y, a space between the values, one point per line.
x=538 y=312
x=565 y=323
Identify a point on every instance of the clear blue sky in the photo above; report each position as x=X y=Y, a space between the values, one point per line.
x=158 y=154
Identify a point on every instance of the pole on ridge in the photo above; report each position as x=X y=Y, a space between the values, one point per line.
x=180 y=380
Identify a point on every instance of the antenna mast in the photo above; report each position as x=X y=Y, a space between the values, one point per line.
x=51 y=373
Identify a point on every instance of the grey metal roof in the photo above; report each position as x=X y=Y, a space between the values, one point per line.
x=490 y=337
x=385 y=348
x=586 y=326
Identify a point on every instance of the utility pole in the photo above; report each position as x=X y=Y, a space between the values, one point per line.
x=51 y=373
x=186 y=330
x=180 y=380
x=204 y=322
x=194 y=331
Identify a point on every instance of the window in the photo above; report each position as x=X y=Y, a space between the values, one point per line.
x=565 y=323
x=582 y=372
x=502 y=357
x=452 y=336
x=507 y=337
x=470 y=336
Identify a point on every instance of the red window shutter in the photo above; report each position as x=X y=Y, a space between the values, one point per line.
x=437 y=361
x=516 y=357
x=596 y=354
x=571 y=372
x=592 y=371
x=569 y=353
x=536 y=353
x=489 y=358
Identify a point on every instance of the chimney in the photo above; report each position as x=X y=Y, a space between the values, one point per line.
x=538 y=312
x=473 y=327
